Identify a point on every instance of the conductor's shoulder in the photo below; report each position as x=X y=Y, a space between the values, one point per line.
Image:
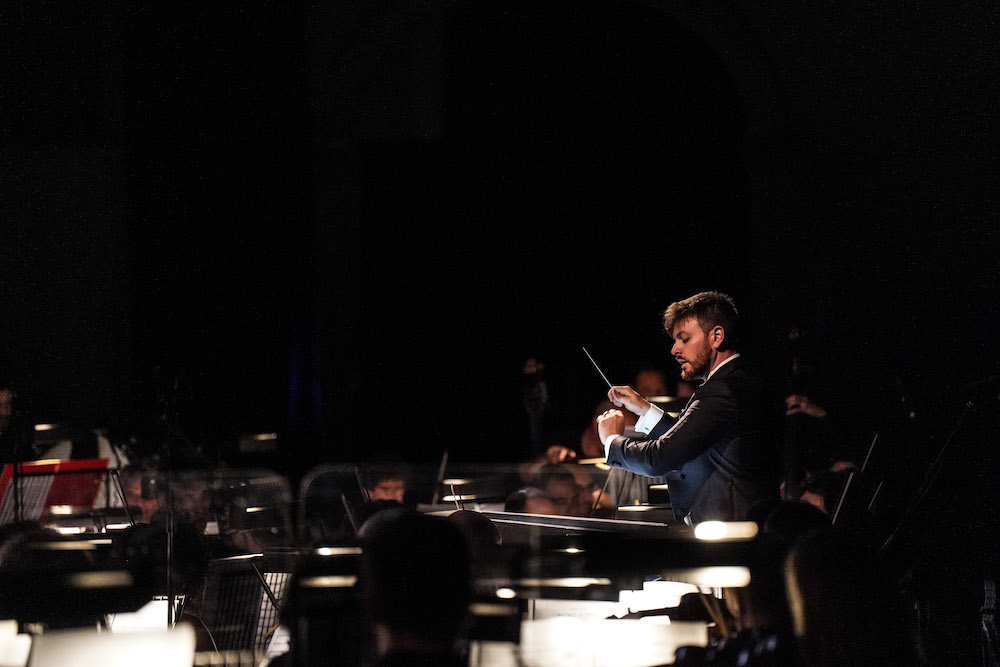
x=741 y=375
x=744 y=366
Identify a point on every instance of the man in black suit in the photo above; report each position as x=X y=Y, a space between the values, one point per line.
x=719 y=461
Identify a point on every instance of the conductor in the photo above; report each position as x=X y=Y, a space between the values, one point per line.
x=716 y=456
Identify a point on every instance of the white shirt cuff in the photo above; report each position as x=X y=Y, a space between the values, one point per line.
x=650 y=419
x=644 y=424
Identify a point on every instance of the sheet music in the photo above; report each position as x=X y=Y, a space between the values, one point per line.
x=34 y=491
x=47 y=483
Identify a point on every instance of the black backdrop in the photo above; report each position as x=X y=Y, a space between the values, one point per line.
x=353 y=224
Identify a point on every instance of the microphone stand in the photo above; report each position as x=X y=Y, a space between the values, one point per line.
x=170 y=418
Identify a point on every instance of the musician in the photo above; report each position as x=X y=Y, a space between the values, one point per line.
x=568 y=496
x=15 y=431
x=416 y=583
x=721 y=465
x=6 y=406
x=144 y=503
x=529 y=500
x=387 y=479
x=651 y=382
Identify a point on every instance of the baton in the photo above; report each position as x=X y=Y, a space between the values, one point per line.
x=598 y=368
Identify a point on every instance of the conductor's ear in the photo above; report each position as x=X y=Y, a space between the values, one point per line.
x=717 y=336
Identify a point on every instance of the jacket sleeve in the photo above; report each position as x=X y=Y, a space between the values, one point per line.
x=707 y=420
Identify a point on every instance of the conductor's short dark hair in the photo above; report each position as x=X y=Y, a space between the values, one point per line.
x=711 y=309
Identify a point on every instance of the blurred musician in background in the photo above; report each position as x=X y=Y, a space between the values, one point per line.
x=651 y=382
x=529 y=500
x=389 y=486
x=720 y=462
x=6 y=412
x=568 y=496
x=416 y=579
x=386 y=478
x=142 y=493
x=15 y=430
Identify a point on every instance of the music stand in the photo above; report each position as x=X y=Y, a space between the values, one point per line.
x=49 y=483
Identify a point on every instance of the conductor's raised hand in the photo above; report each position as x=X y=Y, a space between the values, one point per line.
x=611 y=422
x=623 y=396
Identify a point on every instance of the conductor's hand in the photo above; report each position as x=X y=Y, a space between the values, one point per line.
x=630 y=399
x=611 y=422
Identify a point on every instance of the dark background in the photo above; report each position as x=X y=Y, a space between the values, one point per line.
x=352 y=223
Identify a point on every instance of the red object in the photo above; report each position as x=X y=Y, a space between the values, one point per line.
x=53 y=482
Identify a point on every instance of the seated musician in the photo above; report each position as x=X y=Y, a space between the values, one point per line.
x=417 y=584
x=566 y=493
x=15 y=430
x=387 y=479
x=527 y=471
x=721 y=465
x=141 y=493
x=529 y=500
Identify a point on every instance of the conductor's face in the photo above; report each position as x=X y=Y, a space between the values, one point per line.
x=691 y=349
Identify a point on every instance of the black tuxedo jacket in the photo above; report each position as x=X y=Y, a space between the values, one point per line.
x=718 y=458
